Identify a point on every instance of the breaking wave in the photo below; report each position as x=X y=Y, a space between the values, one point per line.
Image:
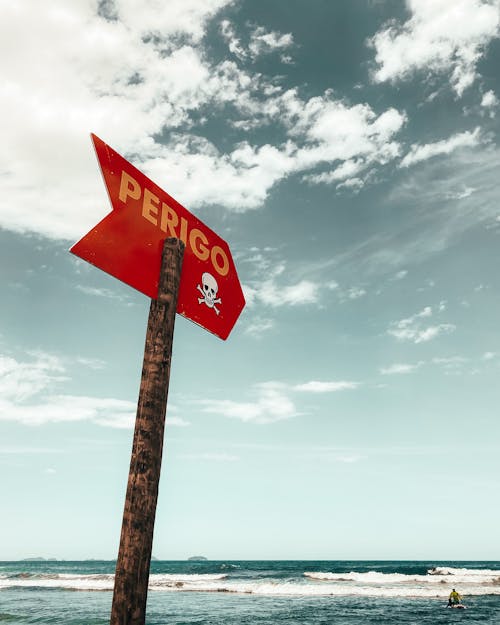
x=70 y=581
x=436 y=583
x=465 y=573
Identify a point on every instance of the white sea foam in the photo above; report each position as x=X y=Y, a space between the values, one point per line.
x=436 y=583
x=369 y=584
x=66 y=582
x=69 y=581
x=462 y=576
x=371 y=577
x=297 y=589
x=447 y=570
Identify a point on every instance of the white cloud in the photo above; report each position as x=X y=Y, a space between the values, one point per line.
x=451 y=361
x=303 y=292
x=356 y=292
x=258 y=326
x=271 y=401
x=460 y=195
x=354 y=184
x=264 y=42
x=418 y=335
x=184 y=17
x=28 y=395
x=413 y=329
x=126 y=98
x=89 y=290
x=489 y=355
x=18 y=450
x=261 y=42
x=419 y=153
x=489 y=100
x=91 y=363
x=352 y=136
x=161 y=80
x=399 y=368
x=67 y=408
x=342 y=172
x=199 y=174
x=234 y=43
x=315 y=386
x=440 y=37
x=271 y=404
x=271 y=292
x=20 y=381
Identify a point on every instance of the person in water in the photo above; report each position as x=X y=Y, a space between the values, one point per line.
x=454 y=598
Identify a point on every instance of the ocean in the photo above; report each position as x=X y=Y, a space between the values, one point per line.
x=256 y=592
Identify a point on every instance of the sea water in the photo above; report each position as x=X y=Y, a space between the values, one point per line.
x=257 y=592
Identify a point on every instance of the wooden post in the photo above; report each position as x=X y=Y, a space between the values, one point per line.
x=134 y=556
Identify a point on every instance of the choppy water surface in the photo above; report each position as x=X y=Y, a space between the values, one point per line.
x=261 y=592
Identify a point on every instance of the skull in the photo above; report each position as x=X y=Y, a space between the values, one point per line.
x=210 y=289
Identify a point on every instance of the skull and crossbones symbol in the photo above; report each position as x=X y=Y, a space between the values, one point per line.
x=209 y=291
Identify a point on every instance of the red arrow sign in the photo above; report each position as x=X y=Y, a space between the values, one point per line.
x=128 y=243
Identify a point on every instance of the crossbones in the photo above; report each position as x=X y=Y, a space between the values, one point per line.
x=209 y=291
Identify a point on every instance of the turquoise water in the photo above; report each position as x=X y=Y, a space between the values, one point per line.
x=260 y=592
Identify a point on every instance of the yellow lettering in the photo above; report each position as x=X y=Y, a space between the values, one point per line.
x=220 y=260
x=129 y=187
x=150 y=207
x=169 y=220
x=184 y=230
x=202 y=251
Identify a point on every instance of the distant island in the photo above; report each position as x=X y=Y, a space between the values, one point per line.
x=39 y=560
x=197 y=559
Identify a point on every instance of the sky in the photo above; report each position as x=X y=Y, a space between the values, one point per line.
x=348 y=152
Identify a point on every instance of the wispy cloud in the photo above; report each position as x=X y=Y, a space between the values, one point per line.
x=399 y=368
x=99 y=292
x=400 y=275
x=315 y=386
x=264 y=41
x=450 y=364
x=91 y=363
x=19 y=450
x=271 y=401
x=20 y=381
x=460 y=194
x=419 y=153
x=270 y=404
x=260 y=41
x=68 y=408
x=275 y=292
x=355 y=292
x=415 y=329
x=259 y=326
x=29 y=395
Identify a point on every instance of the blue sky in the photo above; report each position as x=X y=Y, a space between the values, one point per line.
x=348 y=153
